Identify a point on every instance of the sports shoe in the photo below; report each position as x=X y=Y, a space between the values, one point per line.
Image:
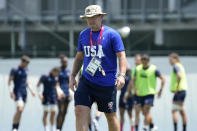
x=14 y=130
x=155 y=128
x=96 y=125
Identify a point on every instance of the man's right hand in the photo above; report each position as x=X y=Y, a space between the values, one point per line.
x=12 y=95
x=41 y=97
x=72 y=83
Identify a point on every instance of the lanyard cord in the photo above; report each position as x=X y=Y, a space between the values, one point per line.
x=100 y=35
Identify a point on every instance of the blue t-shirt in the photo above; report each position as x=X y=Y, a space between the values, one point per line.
x=64 y=80
x=49 y=82
x=176 y=69
x=111 y=44
x=20 y=78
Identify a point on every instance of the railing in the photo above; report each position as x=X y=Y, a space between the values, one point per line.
x=69 y=10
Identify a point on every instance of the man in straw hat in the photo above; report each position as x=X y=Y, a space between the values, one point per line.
x=98 y=49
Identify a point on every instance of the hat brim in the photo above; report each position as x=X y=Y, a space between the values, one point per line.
x=89 y=16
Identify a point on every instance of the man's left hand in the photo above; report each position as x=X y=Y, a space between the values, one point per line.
x=120 y=82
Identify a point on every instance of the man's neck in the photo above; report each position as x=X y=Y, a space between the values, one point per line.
x=146 y=66
x=97 y=29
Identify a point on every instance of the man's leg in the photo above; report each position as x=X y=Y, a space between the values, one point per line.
x=62 y=107
x=147 y=116
x=182 y=113
x=90 y=122
x=45 y=120
x=96 y=120
x=17 y=117
x=137 y=116
x=132 y=122
x=122 y=111
x=112 y=120
x=82 y=115
x=52 y=121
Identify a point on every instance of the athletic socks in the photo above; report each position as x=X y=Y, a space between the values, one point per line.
x=175 y=126
x=121 y=127
x=132 y=128
x=136 y=127
x=151 y=125
x=46 y=128
x=59 y=128
x=184 y=127
x=90 y=127
x=145 y=128
x=15 y=126
x=53 y=127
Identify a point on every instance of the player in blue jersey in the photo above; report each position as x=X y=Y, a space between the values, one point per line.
x=125 y=105
x=98 y=49
x=64 y=102
x=51 y=93
x=19 y=93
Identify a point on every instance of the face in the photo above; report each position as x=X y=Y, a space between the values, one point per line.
x=145 y=62
x=95 y=21
x=138 y=60
x=172 y=60
x=55 y=73
x=64 y=62
x=24 y=63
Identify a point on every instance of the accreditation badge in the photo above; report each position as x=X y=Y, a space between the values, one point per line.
x=93 y=66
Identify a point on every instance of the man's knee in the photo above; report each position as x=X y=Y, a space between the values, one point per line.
x=82 y=111
x=111 y=116
x=146 y=109
x=20 y=109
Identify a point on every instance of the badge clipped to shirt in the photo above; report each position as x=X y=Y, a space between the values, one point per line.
x=95 y=63
x=93 y=66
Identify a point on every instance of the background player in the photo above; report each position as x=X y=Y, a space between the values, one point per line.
x=178 y=87
x=125 y=105
x=49 y=96
x=145 y=88
x=64 y=102
x=19 y=77
x=130 y=90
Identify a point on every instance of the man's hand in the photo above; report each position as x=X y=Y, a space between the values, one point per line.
x=120 y=82
x=12 y=95
x=33 y=93
x=127 y=96
x=41 y=97
x=159 y=94
x=72 y=83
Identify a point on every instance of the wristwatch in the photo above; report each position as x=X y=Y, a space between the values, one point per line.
x=122 y=74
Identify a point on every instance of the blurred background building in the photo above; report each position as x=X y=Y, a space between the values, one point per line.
x=46 y=28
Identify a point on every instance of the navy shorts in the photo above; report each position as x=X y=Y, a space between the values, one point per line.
x=20 y=95
x=49 y=100
x=180 y=96
x=128 y=105
x=136 y=100
x=87 y=93
x=146 y=100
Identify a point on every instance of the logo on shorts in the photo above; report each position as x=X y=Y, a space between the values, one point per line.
x=110 y=105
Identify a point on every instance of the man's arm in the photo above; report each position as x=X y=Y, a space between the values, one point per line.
x=178 y=74
x=162 y=85
x=30 y=88
x=122 y=67
x=78 y=62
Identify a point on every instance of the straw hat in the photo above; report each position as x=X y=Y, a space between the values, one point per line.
x=92 y=10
